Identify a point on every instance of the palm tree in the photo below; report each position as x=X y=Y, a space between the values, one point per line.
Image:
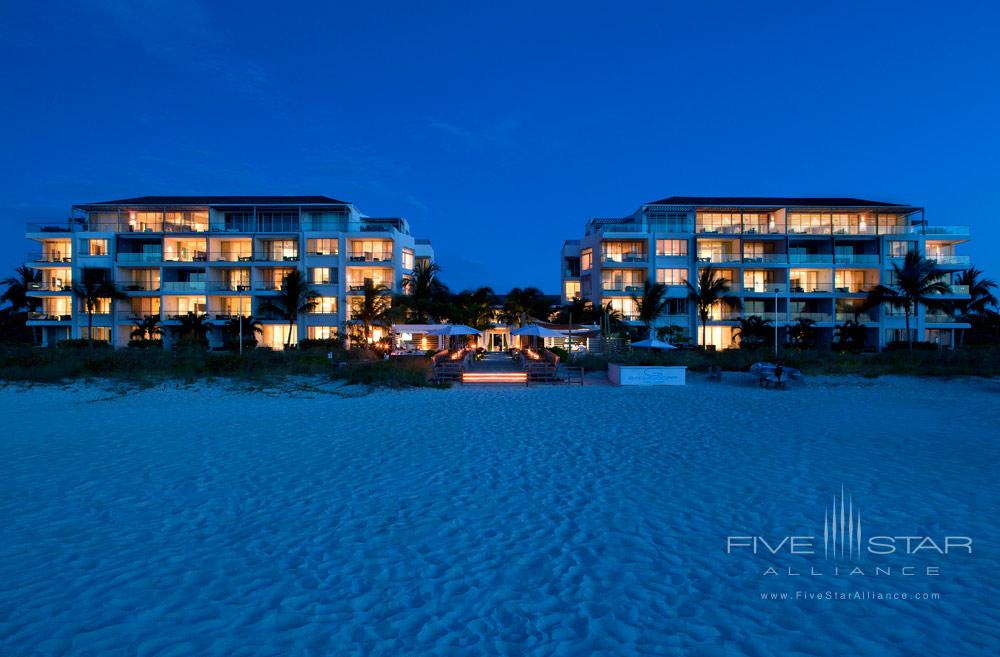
x=94 y=286
x=522 y=302
x=372 y=309
x=147 y=326
x=753 y=331
x=851 y=335
x=651 y=304
x=916 y=283
x=195 y=326
x=296 y=297
x=250 y=329
x=425 y=294
x=981 y=295
x=16 y=294
x=711 y=289
x=611 y=320
x=474 y=308
x=803 y=333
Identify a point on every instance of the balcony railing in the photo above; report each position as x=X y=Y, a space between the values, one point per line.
x=621 y=287
x=276 y=257
x=376 y=256
x=816 y=317
x=139 y=286
x=939 y=318
x=136 y=315
x=950 y=260
x=231 y=256
x=724 y=316
x=182 y=286
x=846 y=316
x=898 y=230
x=223 y=286
x=51 y=257
x=855 y=259
x=950 y=231
x=51 y=286
x=139 y=258
x=719 y=258
x=810 y=258
x=957 y=289
x=67 y=226
x=810 y=230
x=766 y=259
x=48 y=317
x=193 y=256
x=720 y=229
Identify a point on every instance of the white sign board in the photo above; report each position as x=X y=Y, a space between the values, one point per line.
x=639 y=375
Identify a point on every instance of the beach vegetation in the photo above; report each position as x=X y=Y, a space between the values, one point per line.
x=710 y=291
x=916 y=282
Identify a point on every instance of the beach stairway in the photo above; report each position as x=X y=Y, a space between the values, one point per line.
x=494 y=369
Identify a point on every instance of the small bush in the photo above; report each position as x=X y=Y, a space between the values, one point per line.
x=82 y=343
x=146 y=344
x=562 y=353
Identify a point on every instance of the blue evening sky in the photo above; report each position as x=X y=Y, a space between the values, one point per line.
x=497 y=129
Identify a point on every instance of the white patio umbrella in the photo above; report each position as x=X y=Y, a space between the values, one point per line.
x=454 y=329
x=653 y=343
x=536 y=331
x=451 y=330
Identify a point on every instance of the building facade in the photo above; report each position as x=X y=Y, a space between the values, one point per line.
x=217 y=256
x=785 y=259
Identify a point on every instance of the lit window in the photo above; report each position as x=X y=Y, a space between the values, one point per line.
x=586 y=259
x=323 y=246
x=671 y=247
x=322 y=332
x=97 y=247
x=407 y=258
x=571 y=290
x=671 y=276
x=325 y=305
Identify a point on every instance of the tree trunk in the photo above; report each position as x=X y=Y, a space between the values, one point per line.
x=909 y=336
x=288 y=341
x=90 y=326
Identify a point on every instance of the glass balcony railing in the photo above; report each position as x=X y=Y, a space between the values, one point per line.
x=182 y=286
x=136 y=315
x=45 y=316
x=810 y=230
x=231 y=256
x=139 y=286
x=810 y=258
x=51 y=286
x=228 y=286
x=719 y=258
x=68 y=226
x=766 y=259
x=846 y=316
x=623 y=258
x=276 y=256
x=950 y=260
x=51 y=257
x=855 y=259
x=816 y=317
x=939 y=318
x=370 y=256
x=622 y=287
x=139 y=258
x=898 y=230
x=950 y=231
x=764 y=288
x=186 y=256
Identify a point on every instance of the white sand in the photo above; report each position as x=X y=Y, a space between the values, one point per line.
x=544 y=521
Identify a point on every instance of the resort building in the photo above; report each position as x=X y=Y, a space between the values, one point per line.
x=785 y=259
x=220 y=257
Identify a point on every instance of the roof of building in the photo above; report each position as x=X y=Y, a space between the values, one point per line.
x=224 y=200
x=775 y=201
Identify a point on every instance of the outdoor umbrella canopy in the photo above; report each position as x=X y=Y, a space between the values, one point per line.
x=653 y=343
x=536 y=331
x=454 y=329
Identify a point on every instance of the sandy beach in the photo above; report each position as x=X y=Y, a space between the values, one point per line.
x=198 y=519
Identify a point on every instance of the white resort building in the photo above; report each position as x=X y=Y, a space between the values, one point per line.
x=217 y=256
x=785 y=259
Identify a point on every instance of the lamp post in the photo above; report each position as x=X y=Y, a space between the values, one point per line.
x=775 y=322
x=240 y=317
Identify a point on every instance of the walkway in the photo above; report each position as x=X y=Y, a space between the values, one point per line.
x=497 y=367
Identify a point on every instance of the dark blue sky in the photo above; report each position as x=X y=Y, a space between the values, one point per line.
x=499 y=128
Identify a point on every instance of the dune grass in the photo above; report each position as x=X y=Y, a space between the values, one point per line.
x=968 y=361
x=148 y=366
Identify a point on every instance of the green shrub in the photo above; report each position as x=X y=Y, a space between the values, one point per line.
x=562 y=353
x=82 y=343
x=146 y=344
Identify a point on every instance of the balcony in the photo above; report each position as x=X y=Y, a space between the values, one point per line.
x=719 y=258
x=183 y=286
x=51 y=257
x=947 y=231
x=810 y=258
x=68 y=226
x=816 y=317
x=231 y=286
x=136 y=315
x=898 y=230
x=863 y=318
x=230 y=256
x=764 y=288
x=957 y=290
x=622 y=287
x=855 y=259
x=275 y=257
x=624 y=258
x=810 y=230
x=719 y=229
x=139 y=286
x=193 y=256
x=950 y=260
x=766 y=259
x=139 y=258
x=51 y=286
x=48 y=317
x=379 y=257
x=939 y=318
